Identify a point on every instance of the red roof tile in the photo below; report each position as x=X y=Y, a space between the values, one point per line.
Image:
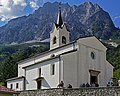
x=6 y=90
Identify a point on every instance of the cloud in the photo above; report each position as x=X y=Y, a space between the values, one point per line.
x=116 y=17
x=34 y=5
x=11 y=9
x=3 y=18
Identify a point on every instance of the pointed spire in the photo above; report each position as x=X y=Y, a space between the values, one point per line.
x=59 y=19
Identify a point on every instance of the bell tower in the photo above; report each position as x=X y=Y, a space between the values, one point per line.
x=59 y=35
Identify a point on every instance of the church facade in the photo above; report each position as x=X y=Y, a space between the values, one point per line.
x=75 y=63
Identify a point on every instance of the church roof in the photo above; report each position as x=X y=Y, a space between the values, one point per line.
x=46 y=52
x=57 y=56
x=14 y=78
x=51 y=58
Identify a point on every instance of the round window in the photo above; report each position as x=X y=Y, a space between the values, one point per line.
x=53 y=55
x=92 y=55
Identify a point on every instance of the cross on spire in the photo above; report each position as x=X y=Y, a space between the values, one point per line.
x=60 y=7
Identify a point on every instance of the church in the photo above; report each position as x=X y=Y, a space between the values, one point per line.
x=78 y=62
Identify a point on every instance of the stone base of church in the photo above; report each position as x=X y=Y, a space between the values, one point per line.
x=98 y=91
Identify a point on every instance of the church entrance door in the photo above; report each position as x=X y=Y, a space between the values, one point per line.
x=39 y=79
x=93 y=79
x=94 y=76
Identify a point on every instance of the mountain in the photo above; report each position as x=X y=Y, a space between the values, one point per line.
x=81 y=20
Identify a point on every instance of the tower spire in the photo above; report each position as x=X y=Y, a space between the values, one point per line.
x=59 y=35
x=59 y=19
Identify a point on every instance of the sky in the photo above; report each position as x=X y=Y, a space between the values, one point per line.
x=10 y=9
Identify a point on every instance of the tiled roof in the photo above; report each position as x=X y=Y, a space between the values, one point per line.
x=6 y=90
x=57 y=56
x=14 y=78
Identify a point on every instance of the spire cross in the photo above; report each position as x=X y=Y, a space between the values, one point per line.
x=60 y=7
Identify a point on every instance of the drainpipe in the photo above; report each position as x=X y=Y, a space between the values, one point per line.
x=24 y=83
x=59 y=68
x=78 y=64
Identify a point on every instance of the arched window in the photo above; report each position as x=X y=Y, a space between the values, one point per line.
x=17 y=85
x=52 y=69
x=54 y=40
x=63 y=39
x=11 y=86
x=93 y=55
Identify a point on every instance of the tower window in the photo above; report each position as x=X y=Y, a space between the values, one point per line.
x=54 y=40
x=63 y=39
x=52 y=69
x=39 y=72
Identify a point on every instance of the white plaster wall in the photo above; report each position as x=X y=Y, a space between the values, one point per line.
x=98 y=64
x=21 y=71
x=20 y=84
x=92 y=42
x=86 y=63
x=93 y=63
x=50 y=81
x=70 y=69
x=109 y=71
x=83 y=68
x=31 y=75
x=103 y=70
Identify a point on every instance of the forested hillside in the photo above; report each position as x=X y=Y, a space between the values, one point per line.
x=113 y=56
x=10 y=55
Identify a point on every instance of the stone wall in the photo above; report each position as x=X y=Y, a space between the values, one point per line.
x=104 y=91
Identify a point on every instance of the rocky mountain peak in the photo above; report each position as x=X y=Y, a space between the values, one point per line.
x=81 y=20
x=97 y=7
x=86 y=10
x=88 y=5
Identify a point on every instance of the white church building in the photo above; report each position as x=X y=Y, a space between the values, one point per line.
x=75 y=63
